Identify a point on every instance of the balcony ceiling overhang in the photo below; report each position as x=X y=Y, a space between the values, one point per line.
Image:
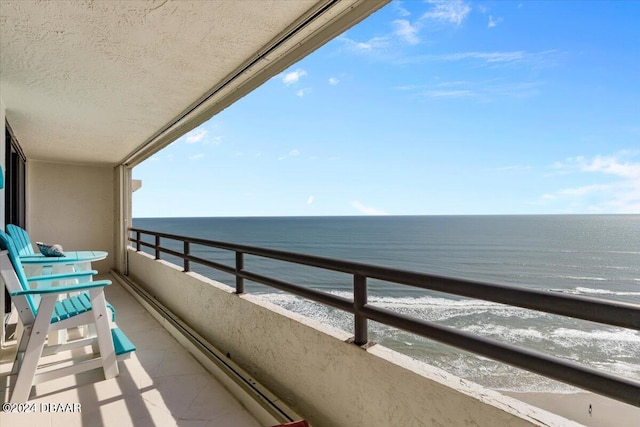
x=110 y=82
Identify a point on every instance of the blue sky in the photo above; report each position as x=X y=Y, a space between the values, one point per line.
x=428 y=108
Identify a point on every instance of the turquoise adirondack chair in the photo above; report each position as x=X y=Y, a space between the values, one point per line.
x=41 y=311
x=24 y=249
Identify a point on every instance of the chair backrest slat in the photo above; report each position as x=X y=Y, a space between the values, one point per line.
x=21 y=239
x=6 y=243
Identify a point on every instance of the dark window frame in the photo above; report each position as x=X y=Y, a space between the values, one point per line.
x=14 y=188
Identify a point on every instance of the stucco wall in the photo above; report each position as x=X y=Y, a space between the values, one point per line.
x=72 y=205
x=315 y=371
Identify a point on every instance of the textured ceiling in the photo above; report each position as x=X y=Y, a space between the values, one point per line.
x=90 y=81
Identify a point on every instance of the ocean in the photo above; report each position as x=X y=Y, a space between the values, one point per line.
x=591 y=255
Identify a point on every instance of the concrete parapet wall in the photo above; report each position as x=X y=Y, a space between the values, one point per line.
x=314 y=370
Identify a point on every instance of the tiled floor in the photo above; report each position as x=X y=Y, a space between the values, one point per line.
x=160 y=385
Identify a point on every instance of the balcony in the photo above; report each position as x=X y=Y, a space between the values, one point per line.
x=80 y=130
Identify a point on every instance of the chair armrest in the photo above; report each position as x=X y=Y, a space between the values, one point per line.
x=62 y=276
x=38 y=259
x=62 y=289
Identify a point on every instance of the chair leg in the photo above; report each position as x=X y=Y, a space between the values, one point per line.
x=91 y=333
x=22 y=334
x=34 y=346
x=105 y=341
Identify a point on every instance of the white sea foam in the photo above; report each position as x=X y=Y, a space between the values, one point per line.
x=595 y=279
x=509 y=334
x=617 y=335
x=591 y=291
x=439 y=308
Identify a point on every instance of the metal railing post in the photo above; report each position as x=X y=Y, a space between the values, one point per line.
x=359 y=301
x=239 y=268
x=187 y=252
x=137 y=241
x=157 y=247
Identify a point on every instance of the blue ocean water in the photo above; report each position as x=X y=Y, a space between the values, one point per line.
x=593 y=255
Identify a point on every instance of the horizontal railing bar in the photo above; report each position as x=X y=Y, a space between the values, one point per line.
x=587 y=308
x=170 y=252
x=212 y=264
x=312 y=294
x=198 y=260
x=192 y=258
x=143 y=243
x=622 y=389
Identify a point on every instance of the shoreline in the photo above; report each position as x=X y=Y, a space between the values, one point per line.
x=605 y=412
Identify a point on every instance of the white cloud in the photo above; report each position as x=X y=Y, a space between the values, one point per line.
x=482 y=90
x=493 y=22
x=293 y=76
x=448 y=93
x=406 y=31
x=333 y=81
x=610 y=165
x=585 y=190
x=372 y=45
x=448 y=11
x=196 y=157
x=310 y=199
x=401 y=10
x=618 y=197
x=489 y=57
x=367 y=210
x=303 y=92
x=293 y=153
x=195 y=135
x=536 y=60
x=408 y=87
x=622 y=195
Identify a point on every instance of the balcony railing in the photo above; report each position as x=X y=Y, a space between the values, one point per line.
x=605 y=312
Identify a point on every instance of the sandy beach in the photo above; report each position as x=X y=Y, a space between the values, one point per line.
x=605 y=412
